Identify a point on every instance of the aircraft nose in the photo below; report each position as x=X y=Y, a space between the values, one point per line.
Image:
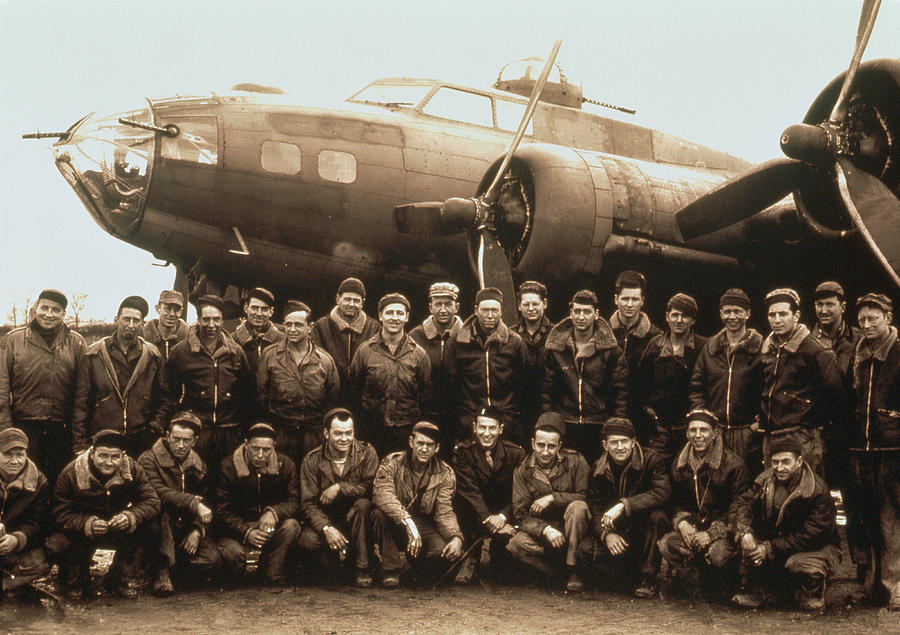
x=108 y=164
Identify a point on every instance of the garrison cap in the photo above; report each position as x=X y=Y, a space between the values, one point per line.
x=293 y=306
x=169 y=296
x=13 y=438
x=443 y=289
x=55 y=296
x=552 y=421
x=428 y=429
x=110 y=439
x=783 y=295
x=187 y=419
x=828 y=289
x=585 y=296
x=490 y=412
x=735 y=297
x=877 y=300
x=352 y=285
x=488 y=293
x=393 y=298
x=260 y=430
x=630 y=279
x=619 y=426
x=211 y=300
x=704 y=415
x=787 y=443
x=135 y=302
x=341 y=414
x=533 y=286
x=263 y=295
x=684 y=303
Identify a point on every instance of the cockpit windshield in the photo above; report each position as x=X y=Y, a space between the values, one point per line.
x=391 y=95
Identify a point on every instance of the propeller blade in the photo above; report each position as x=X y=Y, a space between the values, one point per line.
x=864 y=31
x=490 y=196
x=875 y=210
x=494 y=271
x=740 y=198
x=419 y=218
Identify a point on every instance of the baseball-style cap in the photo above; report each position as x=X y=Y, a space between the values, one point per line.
x=169 y=296
x=443 y=289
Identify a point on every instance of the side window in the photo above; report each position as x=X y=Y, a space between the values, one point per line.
x=339 y=167
x=197 y=140
x=459 y=105
x=509 y=114
x=280 y=157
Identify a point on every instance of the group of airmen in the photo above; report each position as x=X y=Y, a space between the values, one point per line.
x=346 y=446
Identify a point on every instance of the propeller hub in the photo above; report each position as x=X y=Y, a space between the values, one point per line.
x=810 y=144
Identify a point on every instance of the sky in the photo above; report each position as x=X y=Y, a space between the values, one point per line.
x=731 y=75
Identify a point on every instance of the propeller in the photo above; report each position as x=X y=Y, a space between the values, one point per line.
x=817 y=157
x=487 y=222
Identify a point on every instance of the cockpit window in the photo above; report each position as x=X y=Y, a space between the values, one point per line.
x=197 y=140
x=509 y=114
x=459 y=105
x=391 y=95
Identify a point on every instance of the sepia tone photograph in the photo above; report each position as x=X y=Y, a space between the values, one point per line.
x=450 y=317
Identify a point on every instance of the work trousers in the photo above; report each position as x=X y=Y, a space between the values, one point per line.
x=274 y=554
x=49 y=445
x=534 y=551
x=392 y=539
x=642 y=533
x=352 y=521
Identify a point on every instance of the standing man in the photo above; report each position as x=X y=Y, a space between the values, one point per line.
x=179 y=477
x=548 y=505
x=391 y=377
x=336 y=497
x=296 y=382
x=434 y=335
x=257 y=332
x=414 y=506
x=120 y=383
x=875 y=447
x=585 y=375
x=663 y=375
x=627 y=495
x=257 y=497
x=486 y=362
x=802 y=380
x=344 y=329
x=169 y=329
x=484 y=467
x=533 y=327
x=25 y=514
x=728 y=379
x=39 y=365
x=208 y=374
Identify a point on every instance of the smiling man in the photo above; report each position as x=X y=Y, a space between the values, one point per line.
x=39 y=365
x=168 y=329
x=533 y=327
x=391 y=378
x=257 y=332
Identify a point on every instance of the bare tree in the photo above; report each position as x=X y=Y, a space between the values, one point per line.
x=20 y=308
x=77 y=304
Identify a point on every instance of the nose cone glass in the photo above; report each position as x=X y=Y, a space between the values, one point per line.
x=108 y=164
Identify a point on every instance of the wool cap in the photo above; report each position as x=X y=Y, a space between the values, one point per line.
x=787 y=443
x=489 y=293
x=443 y=289
x=877 y=300
x=260 y=430
x=56 y=296
x=13 y=438
x=702 y=414
x=187 y=419
x=783 y=295
x=210 y=300
x=735 y=297
x=169 y=296
x=551 y=421
x=336 y=413
x=684 y=303
x=619 y=426
x=428 y=429
x=263 y=295
x=828 y=289
x=110 y=439
x=352 y=285
x=292 y=306
x=393 y=298
x=135 y=302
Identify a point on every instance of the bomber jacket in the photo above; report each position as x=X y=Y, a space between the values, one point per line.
x=486 y=489
x=662 y=379
x=80 y=497
x=805 y=521
x=633 y=341
x=297 y=393
x=709 y=497
x=218 y=388
x=341 y=339
x=243 y=494
x=567 y=480
x=534 y=342
x=180 y=486
x=165 y=345
x=317 y=474
x=37 y=381
x=802 y=383
x=101 y=403
x=255 y=344
x=392 y=387
x=844 y=345
x=876 y=380
x=728 y=382
x=588 y=388
x=25 y=507
x=436 y=344
x=643 y=486
x=487 y=372
x=396 y=494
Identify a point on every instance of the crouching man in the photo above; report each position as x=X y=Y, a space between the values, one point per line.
x=787 y=531
x=548 y=505
x=707 y=483
x=628 y=490
x=102 y=499
x=257 y=497
x=25 y=513
x=414 y=505
x=179 y=476
x=335 y=496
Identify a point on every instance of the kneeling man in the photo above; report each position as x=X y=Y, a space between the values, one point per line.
x=336 y=495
